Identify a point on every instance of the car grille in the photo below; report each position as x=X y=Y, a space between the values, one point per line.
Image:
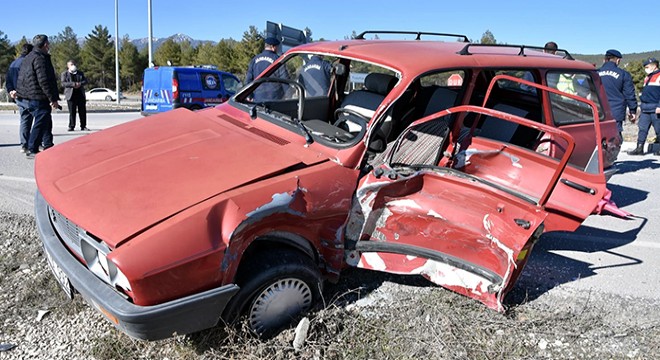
x=79 y=241
x=69 y=232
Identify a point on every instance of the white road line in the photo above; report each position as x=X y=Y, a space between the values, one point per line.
x=21 y=179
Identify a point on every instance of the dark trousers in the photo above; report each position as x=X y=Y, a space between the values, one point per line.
x=26 y=121
x=644 y=124
x=42 y=130
x=77 y=103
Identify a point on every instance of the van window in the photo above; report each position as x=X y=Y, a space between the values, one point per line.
x=188 y=81
x=231 y=84
x=566 y=110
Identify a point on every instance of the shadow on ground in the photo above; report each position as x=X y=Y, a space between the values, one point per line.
x=546 y=269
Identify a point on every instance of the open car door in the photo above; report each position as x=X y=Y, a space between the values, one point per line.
x=581 y=186
x=469 y=225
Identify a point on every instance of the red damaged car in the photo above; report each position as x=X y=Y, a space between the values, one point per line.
x=430 y=158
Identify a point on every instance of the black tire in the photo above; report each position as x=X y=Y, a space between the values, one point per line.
x=277 y=287
x=108 y=98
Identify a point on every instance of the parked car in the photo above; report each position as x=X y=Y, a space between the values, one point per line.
x=166 y=87
x=98 y=94
x=447 y=164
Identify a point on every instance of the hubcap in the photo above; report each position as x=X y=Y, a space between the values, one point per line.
x=278 y=303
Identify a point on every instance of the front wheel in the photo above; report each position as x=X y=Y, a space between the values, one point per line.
x=276 y=288
x=108 y=98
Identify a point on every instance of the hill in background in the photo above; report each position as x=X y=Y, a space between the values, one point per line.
x=627 y=58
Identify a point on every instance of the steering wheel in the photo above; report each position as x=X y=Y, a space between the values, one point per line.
x=362 y=120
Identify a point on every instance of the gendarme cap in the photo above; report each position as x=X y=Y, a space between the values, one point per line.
x=272 y=41
x=649 y=61
x=614 y=53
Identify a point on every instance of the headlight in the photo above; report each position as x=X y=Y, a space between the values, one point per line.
x=96 y=257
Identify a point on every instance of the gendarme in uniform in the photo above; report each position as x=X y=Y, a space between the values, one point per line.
x=259 y=63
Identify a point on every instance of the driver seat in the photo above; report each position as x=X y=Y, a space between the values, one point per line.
x=367 y=100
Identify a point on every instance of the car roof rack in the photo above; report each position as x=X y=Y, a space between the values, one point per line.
x=466 y=49
x=418 y=33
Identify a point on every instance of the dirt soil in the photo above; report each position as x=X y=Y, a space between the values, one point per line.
x=367 y=315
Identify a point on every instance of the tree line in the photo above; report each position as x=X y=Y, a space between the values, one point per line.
x=96 y=56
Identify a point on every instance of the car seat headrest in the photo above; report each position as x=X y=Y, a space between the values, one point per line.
x=380 y=83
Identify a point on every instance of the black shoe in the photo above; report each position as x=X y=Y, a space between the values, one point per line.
x=84 y=129
x=31 y=154
x=70 y=129
x=639 y=150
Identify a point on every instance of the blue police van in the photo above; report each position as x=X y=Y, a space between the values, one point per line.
x=194 y=87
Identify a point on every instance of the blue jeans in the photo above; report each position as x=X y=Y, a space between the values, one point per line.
x=644 y=124
x=26 y=121
x=42 y=130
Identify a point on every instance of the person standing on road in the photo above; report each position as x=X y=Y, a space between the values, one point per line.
x=619 y=89
x=74 y=82
x=37 y=88
x=10 y=84
x=259 y=63
x=650 y=99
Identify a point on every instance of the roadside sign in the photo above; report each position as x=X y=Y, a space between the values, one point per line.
x=455 y=80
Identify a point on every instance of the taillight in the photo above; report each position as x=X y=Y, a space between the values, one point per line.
x=175 y=89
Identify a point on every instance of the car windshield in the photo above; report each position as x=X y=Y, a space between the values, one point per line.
x=324 y=98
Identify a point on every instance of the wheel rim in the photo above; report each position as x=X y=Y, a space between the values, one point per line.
x=278 y=303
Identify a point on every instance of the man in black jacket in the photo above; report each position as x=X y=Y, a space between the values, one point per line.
x=74 y=82
x=36 y=88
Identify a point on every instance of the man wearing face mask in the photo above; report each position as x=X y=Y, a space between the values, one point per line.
x=74 y=82
x=650 y=99
x=36 y=88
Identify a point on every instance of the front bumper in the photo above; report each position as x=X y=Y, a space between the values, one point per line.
x=181 y=316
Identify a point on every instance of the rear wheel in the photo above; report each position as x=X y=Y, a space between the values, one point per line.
x=277 y=287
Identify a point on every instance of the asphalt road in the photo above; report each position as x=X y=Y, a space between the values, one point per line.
x=607 y=254
x=17 y=185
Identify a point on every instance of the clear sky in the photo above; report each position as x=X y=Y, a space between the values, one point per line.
x=579 y=26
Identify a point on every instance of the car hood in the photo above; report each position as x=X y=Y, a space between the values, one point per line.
x=120 y=181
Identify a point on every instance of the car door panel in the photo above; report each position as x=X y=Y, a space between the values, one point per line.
x=467 y=226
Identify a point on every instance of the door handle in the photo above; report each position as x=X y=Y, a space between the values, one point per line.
x=577 y=186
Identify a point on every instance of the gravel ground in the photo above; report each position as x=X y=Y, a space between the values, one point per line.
x=368 y=315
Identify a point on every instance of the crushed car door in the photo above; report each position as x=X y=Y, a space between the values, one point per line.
x=582 y=185
x=459 y=227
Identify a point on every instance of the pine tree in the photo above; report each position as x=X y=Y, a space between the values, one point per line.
x=488 y=38
x=6 y=56
x=169 y=52
x=64 y=47
x=19 y=46
x=207 y=54
x=251 y=45
x=188 y=53
x=226 y=50
x=98 y=57
x=130 y=66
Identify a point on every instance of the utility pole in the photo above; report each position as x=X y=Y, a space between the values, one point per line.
x=151 y=35
x=117 y=89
